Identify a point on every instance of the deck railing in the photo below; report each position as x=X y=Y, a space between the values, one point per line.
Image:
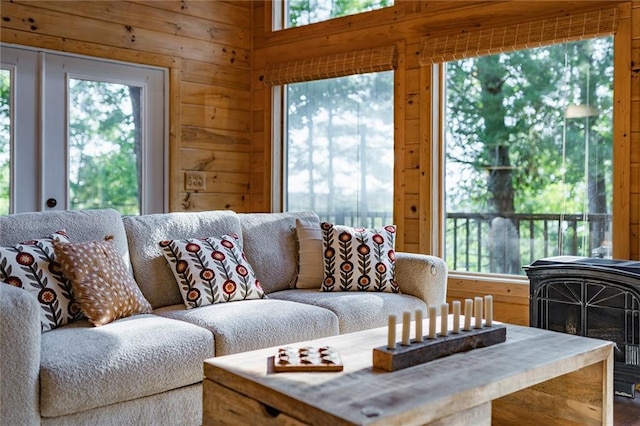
x=487 y=242
x=481 y=242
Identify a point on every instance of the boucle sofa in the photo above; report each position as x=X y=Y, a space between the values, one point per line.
x=147 y=368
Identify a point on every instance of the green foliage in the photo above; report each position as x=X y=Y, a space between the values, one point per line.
x=512 y=147
x=340 y=144
x=304 y=12
x=103 y=147
x=507 y=111
x=5 y=132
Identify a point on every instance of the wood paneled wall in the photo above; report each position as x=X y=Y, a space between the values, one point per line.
x=206 y=45
x=634 y=149
x=417 y=193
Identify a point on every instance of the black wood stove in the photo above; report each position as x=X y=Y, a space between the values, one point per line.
x=592 y=297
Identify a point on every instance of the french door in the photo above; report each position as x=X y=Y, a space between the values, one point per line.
x=79 y=133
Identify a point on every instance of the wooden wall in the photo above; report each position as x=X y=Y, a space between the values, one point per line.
x=417 y=197
x=634 y=149
x=206 y=45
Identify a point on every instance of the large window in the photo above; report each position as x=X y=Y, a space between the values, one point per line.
x=339 y=148
x=105 y=140
x=303 y=12
x=529 y=156
x=5 y=138
x=80 y=133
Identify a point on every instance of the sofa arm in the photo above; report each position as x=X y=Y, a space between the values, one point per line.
x=19 y=357
x=423 y=276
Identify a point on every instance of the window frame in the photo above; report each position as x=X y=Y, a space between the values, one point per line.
x=279 y=149
x=524 y=253
x=276 y=75
x=620 y=238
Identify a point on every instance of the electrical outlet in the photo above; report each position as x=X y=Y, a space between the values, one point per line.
x=194 y=181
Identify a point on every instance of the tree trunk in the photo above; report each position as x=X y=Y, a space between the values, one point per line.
x=331 y=208
x=311 y=165
x=363 y=207
x=505 y=253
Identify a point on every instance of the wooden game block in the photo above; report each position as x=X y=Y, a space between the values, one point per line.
x=420 y=352
x=307 y=358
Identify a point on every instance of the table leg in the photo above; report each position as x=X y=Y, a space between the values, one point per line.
x=479 y=415
x=583 y=396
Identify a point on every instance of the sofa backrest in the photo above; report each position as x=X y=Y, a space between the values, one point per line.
x=80 y=225
x=271 y=246
x=150 y=269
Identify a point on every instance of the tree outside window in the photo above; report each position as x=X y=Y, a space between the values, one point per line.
x=5 y=138
x=529 y=156
x=339 y=143
x=305 y=12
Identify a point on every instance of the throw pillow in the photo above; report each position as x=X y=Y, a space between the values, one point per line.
x=310 y=263
x=102 y=286
x=359 y=259
x=32 y=266
x=211 y=270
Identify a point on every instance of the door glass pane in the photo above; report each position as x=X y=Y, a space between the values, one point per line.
x=5 y=140
x=339 y=144
x=529 y=151
x=105 y=136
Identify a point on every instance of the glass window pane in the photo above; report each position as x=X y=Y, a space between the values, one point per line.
x=340 y=149
x=529 y=156
x=5 y=141
x=304 y=12
x=104 y=146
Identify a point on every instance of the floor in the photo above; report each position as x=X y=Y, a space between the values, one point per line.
x=626 y=411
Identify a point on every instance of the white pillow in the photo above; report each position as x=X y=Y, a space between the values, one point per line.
x=310 y=263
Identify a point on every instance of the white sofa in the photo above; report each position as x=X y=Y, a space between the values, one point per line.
x=147 y=369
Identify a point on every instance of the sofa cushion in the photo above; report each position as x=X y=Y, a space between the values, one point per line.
x=150 y=268
x=81 y=225
x=358 y=259
x=102 y=286
x=255 y=324
x=211 y=270
x=269 y=241
x=177 y=407
x=355 y=311
x=84 y=367
x=33 y=267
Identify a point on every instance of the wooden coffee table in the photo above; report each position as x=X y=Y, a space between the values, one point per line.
x=535 y=377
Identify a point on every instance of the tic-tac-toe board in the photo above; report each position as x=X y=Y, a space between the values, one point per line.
x=307 y=358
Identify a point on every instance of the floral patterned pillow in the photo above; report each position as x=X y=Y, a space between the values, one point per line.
x=359 y=259
x=211 y=270
x=32 y=265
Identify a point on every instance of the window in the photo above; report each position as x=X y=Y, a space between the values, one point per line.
x=529 y=156
x=104 y=145
x=91 y=134
x=5 y=137
x=304 y=12
x=339 y=148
